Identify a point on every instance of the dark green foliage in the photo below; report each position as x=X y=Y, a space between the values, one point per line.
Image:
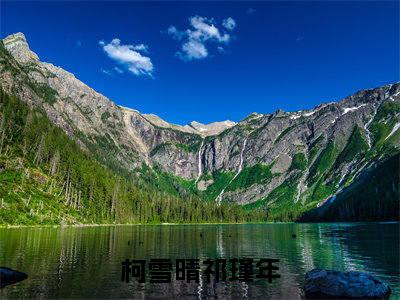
x=104 y=116
x=45 y=178
x=322 y=190
x=379 y=128
x=321 y=180
x=354 y=148
x=32 y=67
x=388 y=108
x=221 y=180
x=255 y=121
x=324 y=161
x=380 y=131
x=166 y=182
x=161 y=147
x=280 y=204
x=45 y=92
x=299 y=162
x=23 y=200
x=9 y=64
x=191 y=147
x=6 y=61
x=184 y=147
x=319 y=188
x=248 y=118
x=374 y=197
x=251 y=175
x=283 y=133
x=314 y=148
x=158 y=148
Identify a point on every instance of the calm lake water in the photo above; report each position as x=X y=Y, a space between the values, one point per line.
x=85 y=262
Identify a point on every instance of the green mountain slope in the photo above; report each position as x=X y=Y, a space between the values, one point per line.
x=46 y=178
x=373 y=197
x=70 y=155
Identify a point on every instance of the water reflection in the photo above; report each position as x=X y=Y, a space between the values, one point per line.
x=85 y=262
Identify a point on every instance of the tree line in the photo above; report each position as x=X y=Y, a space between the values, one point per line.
x=74 y=178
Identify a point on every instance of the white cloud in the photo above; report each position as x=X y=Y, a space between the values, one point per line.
x=205 y=30
x=194 y=50
x=141 y=47
x=202 y=31
x=129 y=56
x=175 y=33
x=229 y=23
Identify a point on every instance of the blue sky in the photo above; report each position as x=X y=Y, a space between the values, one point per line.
x=213 y=61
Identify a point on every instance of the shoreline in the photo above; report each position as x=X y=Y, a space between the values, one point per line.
x=135 y=224
x=181 y=224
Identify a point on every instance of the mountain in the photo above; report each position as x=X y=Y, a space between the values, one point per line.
x=374 y=196
x=284 y=163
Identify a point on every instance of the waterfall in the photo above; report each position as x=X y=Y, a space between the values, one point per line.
x=199 y=162
x=299 y=189
x=241 y=157
x=341 y=179
x=219 y=197
x=368 y=133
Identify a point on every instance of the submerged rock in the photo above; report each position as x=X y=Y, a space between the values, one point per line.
x=9 y=276
x=350 y=285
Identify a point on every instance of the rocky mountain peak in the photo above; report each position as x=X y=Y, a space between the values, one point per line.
x=211 y=128
x=279 y=113
x=316 y=152
x=17 y=45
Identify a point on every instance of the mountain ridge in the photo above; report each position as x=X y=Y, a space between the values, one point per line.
x=27 y=54
x=18 y=46
x=279 y=161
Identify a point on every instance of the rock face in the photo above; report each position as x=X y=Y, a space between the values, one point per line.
x=17 y=45
x=328 y=284
x=209 y=129
x=194 y=127
x=9 y=276
x=282 y=159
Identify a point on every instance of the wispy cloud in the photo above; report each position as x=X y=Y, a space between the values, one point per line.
x=112 y=71
x=175 y=33
x=129 y=56
x=229 y=23
x=118 y=70
x=221 y=49
x=107 y=72
x=202 y=31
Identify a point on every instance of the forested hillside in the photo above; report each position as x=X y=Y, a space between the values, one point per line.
x=373 y=197
x=46 y=178
x=68 y=154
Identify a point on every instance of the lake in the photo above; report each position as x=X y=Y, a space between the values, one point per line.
x=85 y=262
